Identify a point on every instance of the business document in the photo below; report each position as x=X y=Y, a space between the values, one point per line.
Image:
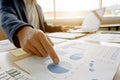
x=78 y=61
x=114 y=38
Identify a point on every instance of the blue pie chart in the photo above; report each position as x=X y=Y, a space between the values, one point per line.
x=62 y=67
x=76 y=56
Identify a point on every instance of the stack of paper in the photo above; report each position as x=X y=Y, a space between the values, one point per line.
x=57 y=40
x=103 y=37
x=6 y=45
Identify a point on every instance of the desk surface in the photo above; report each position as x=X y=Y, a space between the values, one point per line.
x=7 y=60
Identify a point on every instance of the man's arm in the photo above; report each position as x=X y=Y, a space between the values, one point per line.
x=22 y=34
x=9 y=21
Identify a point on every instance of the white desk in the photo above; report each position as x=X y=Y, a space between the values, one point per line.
x=7 y=60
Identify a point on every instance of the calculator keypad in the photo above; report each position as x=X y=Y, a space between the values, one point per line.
x=14 y=74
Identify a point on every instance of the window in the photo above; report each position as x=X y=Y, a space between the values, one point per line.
x=47 y=7
x=65 y=9
x=112 y=7
x=74 y=8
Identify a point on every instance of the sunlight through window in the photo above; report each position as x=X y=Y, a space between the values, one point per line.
x=60 y=9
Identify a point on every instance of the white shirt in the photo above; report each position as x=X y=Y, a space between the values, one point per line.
x=32 y=13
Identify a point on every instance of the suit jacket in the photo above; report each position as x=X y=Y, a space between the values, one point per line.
x=13 y=16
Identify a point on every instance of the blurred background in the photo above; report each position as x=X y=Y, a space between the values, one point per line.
x=72 y=12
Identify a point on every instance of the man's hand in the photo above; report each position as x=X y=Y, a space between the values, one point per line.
x=34 y=41
x=65 y=28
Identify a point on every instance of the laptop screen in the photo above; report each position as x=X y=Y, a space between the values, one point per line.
x=92 y=20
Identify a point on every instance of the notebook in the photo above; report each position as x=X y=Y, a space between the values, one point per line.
x=92 y=21
x=65 y=35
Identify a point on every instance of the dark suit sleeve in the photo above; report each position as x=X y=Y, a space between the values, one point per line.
x=9 y=21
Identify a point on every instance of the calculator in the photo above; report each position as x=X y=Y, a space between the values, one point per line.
x=14 y=74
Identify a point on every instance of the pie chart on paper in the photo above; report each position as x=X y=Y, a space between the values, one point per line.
x=61 y=68
x=76 y=56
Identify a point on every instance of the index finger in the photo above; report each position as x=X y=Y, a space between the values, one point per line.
x=49 y=48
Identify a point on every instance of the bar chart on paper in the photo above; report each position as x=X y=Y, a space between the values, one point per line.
x=76 y=62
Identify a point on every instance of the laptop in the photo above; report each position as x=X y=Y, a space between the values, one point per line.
x=92 y=21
